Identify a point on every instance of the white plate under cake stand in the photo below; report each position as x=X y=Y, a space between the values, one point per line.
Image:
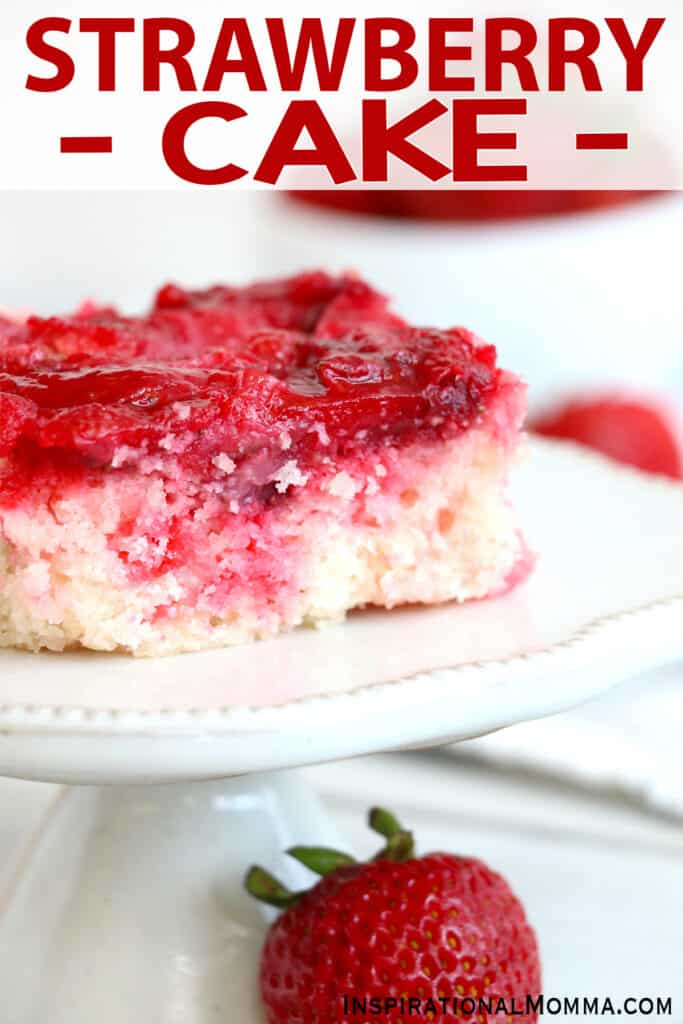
x=128 y=905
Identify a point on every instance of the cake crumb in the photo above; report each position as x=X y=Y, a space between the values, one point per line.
x=288 y=476
x=176 y=443
x=323 y=436
x=124 y=453
x=224 y=463
x=342 y=485
x=181 y=410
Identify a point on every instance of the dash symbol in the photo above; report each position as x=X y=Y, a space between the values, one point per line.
x=602 y=140
x=85 y=144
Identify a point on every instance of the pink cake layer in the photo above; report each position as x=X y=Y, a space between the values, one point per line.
x=419 y=524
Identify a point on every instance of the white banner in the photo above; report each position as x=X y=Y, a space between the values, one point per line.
x=477 y=95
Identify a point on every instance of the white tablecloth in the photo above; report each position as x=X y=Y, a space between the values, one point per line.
x=631 y=741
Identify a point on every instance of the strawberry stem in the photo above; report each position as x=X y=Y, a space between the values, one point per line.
x=400 y=845
x=320 y=859
x=384 y=822
x=323 y=861
x=266 y=888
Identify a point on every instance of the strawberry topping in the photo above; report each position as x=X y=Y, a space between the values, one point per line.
x=318 y=359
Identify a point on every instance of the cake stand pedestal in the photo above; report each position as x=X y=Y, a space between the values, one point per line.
x=128 y=905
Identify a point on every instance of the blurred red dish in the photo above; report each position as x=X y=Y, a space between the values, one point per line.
x=466 y=205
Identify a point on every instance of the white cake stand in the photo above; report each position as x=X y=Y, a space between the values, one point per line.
x=128 y=905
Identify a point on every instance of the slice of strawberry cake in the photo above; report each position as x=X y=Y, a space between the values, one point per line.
x=240 y=461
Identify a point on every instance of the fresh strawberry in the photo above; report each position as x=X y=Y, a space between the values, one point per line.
x=406 y=937
x=638 y=431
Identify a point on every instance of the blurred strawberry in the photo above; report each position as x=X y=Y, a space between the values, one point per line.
x=636 y=430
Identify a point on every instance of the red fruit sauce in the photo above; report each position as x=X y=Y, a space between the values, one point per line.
x=318 y=360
